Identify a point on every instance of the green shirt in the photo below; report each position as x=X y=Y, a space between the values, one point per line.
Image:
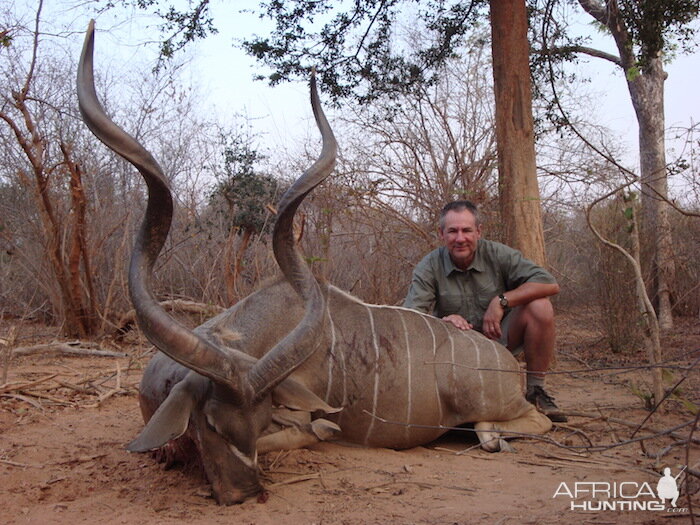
x=440 y=288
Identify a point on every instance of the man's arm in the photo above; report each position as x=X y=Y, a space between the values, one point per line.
x=422 y=295
x=523 y=294
x=528 y=292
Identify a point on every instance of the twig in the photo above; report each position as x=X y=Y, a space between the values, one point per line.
x=510 y=433
x=687 y=462
x=26 y=399
x=7 y=353
x=48 y=398
x=80 y=459
x=296 y=479
x=21 y=465
x=661 y=453
x=23 y=386
x=613 y=370
x=421 y=484
x=630 y=424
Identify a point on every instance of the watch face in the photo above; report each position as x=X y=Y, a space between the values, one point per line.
x=504 y=301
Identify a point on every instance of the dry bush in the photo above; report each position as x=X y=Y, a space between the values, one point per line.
x=686 y=247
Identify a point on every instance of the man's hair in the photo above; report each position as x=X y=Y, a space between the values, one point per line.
x=459 y=206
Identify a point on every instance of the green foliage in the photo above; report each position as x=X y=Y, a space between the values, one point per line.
x=355 y=49
x=246 y=192
x=643 y=394
x=655 y=25
x=5 y=38
x=352 y=45
x=181 y=27
x=632 y=73
x=652 y=28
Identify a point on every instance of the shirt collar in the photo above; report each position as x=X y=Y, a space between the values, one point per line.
x=477 y=264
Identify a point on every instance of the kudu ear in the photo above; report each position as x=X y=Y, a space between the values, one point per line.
x=172 y=417
x=293 y=394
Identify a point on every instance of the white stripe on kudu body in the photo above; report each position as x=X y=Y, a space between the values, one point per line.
x=453 y=366
x=375 y=392
x=480 y=375
x=498 y=367
x=409 y=363
x=437 y=387
x=332 y=355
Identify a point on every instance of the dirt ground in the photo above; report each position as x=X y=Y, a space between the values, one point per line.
x=64 y=421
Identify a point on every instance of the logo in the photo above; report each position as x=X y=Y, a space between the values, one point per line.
x=623 y=495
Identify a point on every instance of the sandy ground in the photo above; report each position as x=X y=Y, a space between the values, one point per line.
x=62 y=457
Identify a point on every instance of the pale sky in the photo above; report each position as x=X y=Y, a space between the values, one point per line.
x=283 y=113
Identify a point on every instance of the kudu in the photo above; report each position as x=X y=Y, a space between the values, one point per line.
x=399 y=378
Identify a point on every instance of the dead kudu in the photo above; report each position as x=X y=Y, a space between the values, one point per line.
x=248 y=380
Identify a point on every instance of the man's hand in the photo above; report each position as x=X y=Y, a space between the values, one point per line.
x=492 y=319
x=459 y=321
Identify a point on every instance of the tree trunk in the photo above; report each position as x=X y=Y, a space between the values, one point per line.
x=647 y=94
x=233 y=265
x=81 y=283
x=646 y=87
x=519 y=194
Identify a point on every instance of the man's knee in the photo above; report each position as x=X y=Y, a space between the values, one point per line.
x=540 y=311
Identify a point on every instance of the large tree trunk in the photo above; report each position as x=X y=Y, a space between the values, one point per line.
x=647 y=94
x=519 y=194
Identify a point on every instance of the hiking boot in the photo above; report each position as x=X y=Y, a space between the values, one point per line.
x=545 y=404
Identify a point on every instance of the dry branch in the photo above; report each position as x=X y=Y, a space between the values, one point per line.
x=127 y=321
x=64 y=349
x=23 y=386
x=629 y=424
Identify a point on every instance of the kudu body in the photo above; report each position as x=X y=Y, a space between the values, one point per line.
x=397 y=378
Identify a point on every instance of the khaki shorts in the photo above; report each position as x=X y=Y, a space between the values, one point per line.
x=505 y=326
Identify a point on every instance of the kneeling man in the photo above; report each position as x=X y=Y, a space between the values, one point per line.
x=478 y=284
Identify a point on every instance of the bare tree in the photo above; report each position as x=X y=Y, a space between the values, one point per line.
x=46 y=145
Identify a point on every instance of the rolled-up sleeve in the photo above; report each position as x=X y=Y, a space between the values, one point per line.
x=421 y=293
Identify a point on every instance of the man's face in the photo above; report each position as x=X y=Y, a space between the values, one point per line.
x=460 y=236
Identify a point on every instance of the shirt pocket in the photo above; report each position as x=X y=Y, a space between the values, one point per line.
x=485 y=292
x=449 y=303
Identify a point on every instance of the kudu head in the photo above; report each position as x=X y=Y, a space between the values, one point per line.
x=226 y=397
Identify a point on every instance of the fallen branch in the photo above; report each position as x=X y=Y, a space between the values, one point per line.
x=64 y=348
x=127 y=321
x=26 y=399
x=10 y=387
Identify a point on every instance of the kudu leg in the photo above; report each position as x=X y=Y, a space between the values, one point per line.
x=298 y=437
x=491 y=433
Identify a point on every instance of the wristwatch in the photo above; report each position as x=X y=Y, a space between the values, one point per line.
x=503 y=300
